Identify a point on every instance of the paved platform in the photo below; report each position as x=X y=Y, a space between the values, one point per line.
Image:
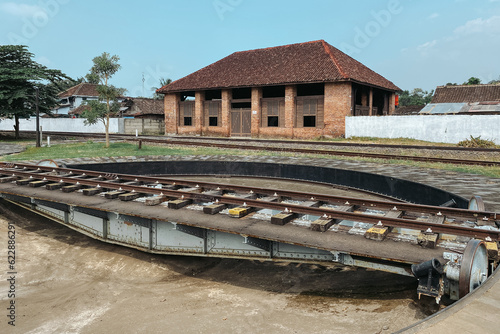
x=479 y=312
x=6 y=148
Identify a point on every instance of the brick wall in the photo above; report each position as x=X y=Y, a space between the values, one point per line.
x=337 y=105
x=171 y=105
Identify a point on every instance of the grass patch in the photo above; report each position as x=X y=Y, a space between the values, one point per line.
x=92 y=150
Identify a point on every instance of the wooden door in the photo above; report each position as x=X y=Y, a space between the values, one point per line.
x=241 y=122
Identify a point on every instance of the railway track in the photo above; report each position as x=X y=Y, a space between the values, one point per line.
x=260 y=145
x=245 y=200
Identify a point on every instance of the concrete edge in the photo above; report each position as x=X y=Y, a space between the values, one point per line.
x=455 y=307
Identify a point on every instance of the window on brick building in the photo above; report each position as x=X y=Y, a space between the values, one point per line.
x=273 y=112
x=212 y=113
x=186 y=113
x=310 y=112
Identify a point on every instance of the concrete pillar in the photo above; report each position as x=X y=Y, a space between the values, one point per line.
x=256 y=109
x=171 y=108
x=199 y=100
x=226 y=112
x=290 y=94
x=370 y=101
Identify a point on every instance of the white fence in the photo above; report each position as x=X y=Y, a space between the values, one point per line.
x=63 y=124
x=443 y=128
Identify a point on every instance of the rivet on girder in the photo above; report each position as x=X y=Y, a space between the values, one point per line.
x=439 y=213
x=98 y=186
x=77 y=182
x=347 y=203
x=61 y=181
x=429 y=230
x=394 y=209
x=380 y=223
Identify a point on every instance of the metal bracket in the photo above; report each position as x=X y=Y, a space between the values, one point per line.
x=144 y=222
x=259 y=243
x=91 y=212
x=196 y=231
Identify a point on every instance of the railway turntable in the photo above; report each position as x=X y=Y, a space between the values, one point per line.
x=448 y=243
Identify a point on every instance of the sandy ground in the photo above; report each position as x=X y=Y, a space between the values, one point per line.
x=70 y=283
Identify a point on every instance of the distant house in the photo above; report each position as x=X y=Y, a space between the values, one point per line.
x=142 y=108
x=464 y=99
x=72 y=99
x=300 y=90
x=132 y=107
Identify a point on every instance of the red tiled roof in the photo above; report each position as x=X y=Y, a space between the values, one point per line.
x=308 y=62
x=143 y=106
x=466 y=93
x=82 y=89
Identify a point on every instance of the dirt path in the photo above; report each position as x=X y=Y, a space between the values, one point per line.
x=69 y=283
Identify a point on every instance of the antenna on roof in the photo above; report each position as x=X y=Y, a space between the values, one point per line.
x=143 y=83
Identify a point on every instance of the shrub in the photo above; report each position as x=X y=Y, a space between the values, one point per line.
x=477 y=142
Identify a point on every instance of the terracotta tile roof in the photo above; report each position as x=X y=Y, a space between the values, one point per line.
x=82 y=89
x=79 y=110
x=308 y=62
x=143 y=106
x=466 y=93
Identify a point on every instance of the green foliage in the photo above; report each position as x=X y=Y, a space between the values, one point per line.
x=104 y=67
x=20 y=77
x=473 y=81
x=477 y=142
x=416 y=97
x=92 y=78
x=163 y=82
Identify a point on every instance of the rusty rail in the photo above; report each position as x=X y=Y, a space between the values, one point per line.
x=156 y=186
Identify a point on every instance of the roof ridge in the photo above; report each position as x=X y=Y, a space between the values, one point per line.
x=463 y=86
x=280 y=46
x=332 y=57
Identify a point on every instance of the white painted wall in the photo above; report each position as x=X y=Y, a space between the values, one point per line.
x=63 y=124
x=433 y=128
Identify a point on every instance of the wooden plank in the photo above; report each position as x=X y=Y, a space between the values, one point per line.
x=240 y=211
x=92 y=191
x=436 y=219
x=129 y=196
x=114 y=194
x=71 y=188
x=54 y=186
x=36 y=184
x=155 y=200
x=322 y=224
x=8 y=179
x=179 y=203
x=377 y=233
x=282 y=218
x=394 y=214
x=214 y=208
x=23 y=182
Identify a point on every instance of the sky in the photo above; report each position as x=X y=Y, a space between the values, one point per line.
x=413 y=43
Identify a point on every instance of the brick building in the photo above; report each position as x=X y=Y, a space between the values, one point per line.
x=297 y=91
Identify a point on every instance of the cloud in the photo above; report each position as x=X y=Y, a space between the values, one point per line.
x=426 y=47
x=433 y=16
x=19 y=9
x=489 y=26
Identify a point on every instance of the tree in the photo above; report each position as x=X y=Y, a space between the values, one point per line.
x=105 y=66
x=473 y=81
x=163 y=82
x=20 y=76
x=416 y=97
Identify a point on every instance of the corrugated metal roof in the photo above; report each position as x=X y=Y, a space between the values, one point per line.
x=444 y=108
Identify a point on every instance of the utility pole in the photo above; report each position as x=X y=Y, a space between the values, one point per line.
x=37 y=119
